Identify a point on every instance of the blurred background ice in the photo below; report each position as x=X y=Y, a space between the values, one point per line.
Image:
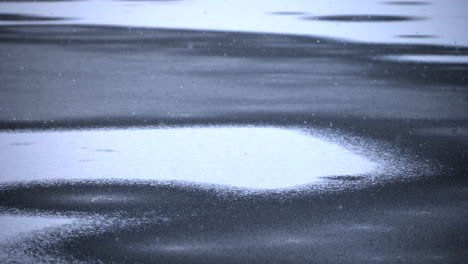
x=428 y=22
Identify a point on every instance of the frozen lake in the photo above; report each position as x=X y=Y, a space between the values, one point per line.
x=233 y=131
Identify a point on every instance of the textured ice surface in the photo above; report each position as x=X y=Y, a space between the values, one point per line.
x=252 y=157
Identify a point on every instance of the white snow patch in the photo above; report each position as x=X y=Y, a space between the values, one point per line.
x=14 y=226
x=461 y=59
x=251 y=157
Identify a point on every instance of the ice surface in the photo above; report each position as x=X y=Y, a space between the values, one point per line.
x=251 y=157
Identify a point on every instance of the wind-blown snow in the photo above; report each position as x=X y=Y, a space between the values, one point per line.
x=251 y=157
